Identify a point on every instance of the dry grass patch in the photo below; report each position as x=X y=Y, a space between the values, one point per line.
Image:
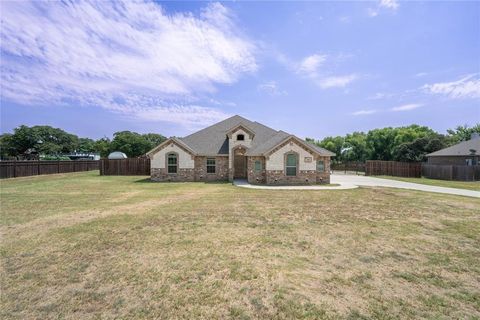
x=193 y=250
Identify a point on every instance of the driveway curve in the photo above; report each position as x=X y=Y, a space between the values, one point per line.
x=353 y=181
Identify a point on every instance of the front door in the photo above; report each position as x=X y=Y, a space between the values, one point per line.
x=239 y=166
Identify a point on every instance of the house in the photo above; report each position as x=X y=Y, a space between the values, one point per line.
x=237 y=148
x=463 y=153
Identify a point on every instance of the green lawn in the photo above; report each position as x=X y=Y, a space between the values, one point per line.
x=470 y=185
x=81 y=246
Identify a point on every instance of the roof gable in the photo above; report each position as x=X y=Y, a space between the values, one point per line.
x=169 y=141
x=242 y=127
x=213 y=140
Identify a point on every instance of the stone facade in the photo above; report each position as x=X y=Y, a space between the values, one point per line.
x=221 y=169
x=278 y=177
x=254 y=176
x=183 y=175
x=198 y=173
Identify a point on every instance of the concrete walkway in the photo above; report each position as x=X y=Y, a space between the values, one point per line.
x=244 y=184
x=354 y=181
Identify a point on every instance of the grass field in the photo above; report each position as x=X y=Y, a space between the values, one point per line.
x=470 y=185
x=81 y=246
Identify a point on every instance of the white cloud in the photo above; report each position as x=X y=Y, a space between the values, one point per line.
x=271 y=88
x=314 y=67
x=407 y=107
x=336 y=81
x=364 y=112
x=466 y=87
x=391 y=5
x=310 y=64
x=421 y=74
x=129 y=57
x=191 y=116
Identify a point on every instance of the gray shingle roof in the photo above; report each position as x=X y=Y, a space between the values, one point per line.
x=459 y=149
x=213 y=140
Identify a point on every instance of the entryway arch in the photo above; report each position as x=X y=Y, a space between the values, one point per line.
x=239 y=162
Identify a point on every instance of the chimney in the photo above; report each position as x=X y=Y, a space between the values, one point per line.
x=475 y=135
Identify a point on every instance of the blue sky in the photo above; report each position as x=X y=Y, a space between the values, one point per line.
x=310 y=68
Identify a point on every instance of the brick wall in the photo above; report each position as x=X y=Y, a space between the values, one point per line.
x=278 y=177
x=256 y=177
x=221 y=169
x=222 y=173
x=183 y=175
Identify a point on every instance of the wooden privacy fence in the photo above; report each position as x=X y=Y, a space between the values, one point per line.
x=125 y=167
x=13 y=169
x=349 y=166
x=393 y=168
x=451 y=172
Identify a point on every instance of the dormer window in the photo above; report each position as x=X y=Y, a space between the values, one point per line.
x=240 y=137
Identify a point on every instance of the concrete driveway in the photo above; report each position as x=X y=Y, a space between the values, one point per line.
x=354 y=180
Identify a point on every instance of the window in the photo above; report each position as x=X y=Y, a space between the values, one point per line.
x=210 y=165
x=258 y=165
x=291 y=165
x=172 y=163
x=320 y=166
x=240 y=137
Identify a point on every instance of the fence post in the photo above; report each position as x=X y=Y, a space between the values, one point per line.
x=15 y=168
x=38 y=167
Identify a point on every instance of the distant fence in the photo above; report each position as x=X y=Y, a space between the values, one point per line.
x=125 y=167
x=14 y=169
x=349 y=166
x=393 y=168
x=451 y=172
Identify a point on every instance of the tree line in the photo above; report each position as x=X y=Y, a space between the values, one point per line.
x=410 y=143
x=52 y=143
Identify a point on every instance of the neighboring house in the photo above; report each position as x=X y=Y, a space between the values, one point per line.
x=237 y=148
x=463 y=153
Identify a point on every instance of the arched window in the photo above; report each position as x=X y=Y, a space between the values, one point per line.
x=291 y=161
x=240 y=137
x=172 y=163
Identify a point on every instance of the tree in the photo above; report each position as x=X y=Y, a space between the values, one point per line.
x=131 y=143
x=355 y=147
x=53 y=141
x=23 y=139
x=380 y=143
x=334 y=144
x=102 y=146
x=6 y=146
x=154 y=139
x=462 y=133
x=85 y=145
x=419 y=148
